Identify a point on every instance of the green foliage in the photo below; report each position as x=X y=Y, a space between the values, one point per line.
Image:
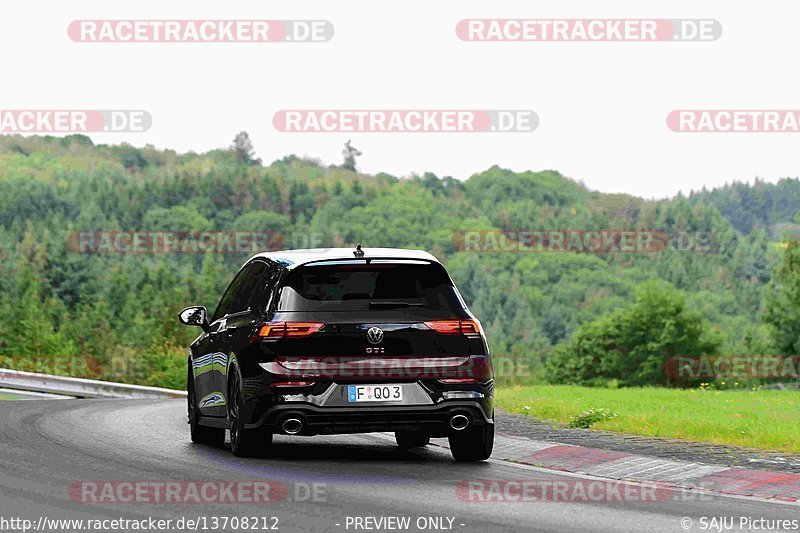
x=590 y=417
x=634 y=344
x=783 y=301
x=760 y=205
x=115 y=313
x=263 y=221
x=176 y=218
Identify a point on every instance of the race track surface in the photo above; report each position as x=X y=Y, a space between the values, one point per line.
x=52 y=450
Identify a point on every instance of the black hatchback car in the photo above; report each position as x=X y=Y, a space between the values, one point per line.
x=336 y=340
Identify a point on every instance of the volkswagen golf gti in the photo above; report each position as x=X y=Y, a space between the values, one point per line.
x=336 y=340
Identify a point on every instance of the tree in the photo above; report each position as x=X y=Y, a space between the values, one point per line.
x=350 y=153
x=244 y=150
x=553 y=327
x=531 y=302
x=783 y=300
x=274 y=228
x=177 y=218
x=634 y=345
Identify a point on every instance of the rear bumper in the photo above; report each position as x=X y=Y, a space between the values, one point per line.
x=434 y=420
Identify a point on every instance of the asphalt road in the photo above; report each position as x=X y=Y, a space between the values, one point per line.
x=49 y=446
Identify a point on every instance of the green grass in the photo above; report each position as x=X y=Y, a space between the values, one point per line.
x=767 y=420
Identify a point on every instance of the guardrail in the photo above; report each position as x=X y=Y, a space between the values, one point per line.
x=79 y=387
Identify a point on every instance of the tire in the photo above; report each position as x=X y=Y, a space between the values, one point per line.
x=244 y=442
x=200 y=434
x=472 y=444
x=411 y=439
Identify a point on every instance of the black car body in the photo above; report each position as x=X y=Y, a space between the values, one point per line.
x=336 y=340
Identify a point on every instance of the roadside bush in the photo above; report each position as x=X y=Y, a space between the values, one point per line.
x=633 y=345
x=588 y=418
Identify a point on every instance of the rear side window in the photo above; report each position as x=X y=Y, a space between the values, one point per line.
x=250 y=288
x=359 y=286
x=243 y=291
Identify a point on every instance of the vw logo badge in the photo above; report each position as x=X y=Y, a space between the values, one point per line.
x=374 y=335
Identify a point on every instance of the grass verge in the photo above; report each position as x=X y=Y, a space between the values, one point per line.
x=768 y=420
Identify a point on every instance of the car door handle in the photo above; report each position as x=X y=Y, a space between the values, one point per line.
x=230 y=332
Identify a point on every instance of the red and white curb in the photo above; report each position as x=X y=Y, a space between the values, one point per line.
x=624 y=466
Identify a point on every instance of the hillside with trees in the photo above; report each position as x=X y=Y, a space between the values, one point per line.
x=718 y=286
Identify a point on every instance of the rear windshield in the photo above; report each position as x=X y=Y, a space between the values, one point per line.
x=350 y=287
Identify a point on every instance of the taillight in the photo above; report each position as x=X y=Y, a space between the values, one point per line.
x=448 y=327
x=279 y=330
x=458 y=381
x=470 y=327
x=454 y=327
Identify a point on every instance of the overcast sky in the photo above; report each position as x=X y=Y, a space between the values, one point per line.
x=602 y=106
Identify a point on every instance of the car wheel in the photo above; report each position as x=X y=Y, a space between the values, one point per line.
x=244 y=442
x=472 y=444
x=411 y=439
x=200 y=434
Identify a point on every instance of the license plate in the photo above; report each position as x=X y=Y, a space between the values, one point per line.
x=374 y=393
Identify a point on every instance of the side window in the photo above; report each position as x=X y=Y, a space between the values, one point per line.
x=270 y=283
x=250 y=289
x=226 y=303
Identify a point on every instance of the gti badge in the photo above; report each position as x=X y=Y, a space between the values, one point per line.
x=375 y=335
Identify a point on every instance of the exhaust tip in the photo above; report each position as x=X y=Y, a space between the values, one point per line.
x=292 y=426
x=459 y=422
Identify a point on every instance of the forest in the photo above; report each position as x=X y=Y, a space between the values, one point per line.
x=724 y=281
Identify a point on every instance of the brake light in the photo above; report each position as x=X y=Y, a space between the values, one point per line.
x=454 y=327
x=279 y=330
x=448 y=327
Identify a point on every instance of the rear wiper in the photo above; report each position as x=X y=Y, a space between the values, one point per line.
x=393 y=303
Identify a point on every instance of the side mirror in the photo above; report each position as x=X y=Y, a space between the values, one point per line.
x=194 y=316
